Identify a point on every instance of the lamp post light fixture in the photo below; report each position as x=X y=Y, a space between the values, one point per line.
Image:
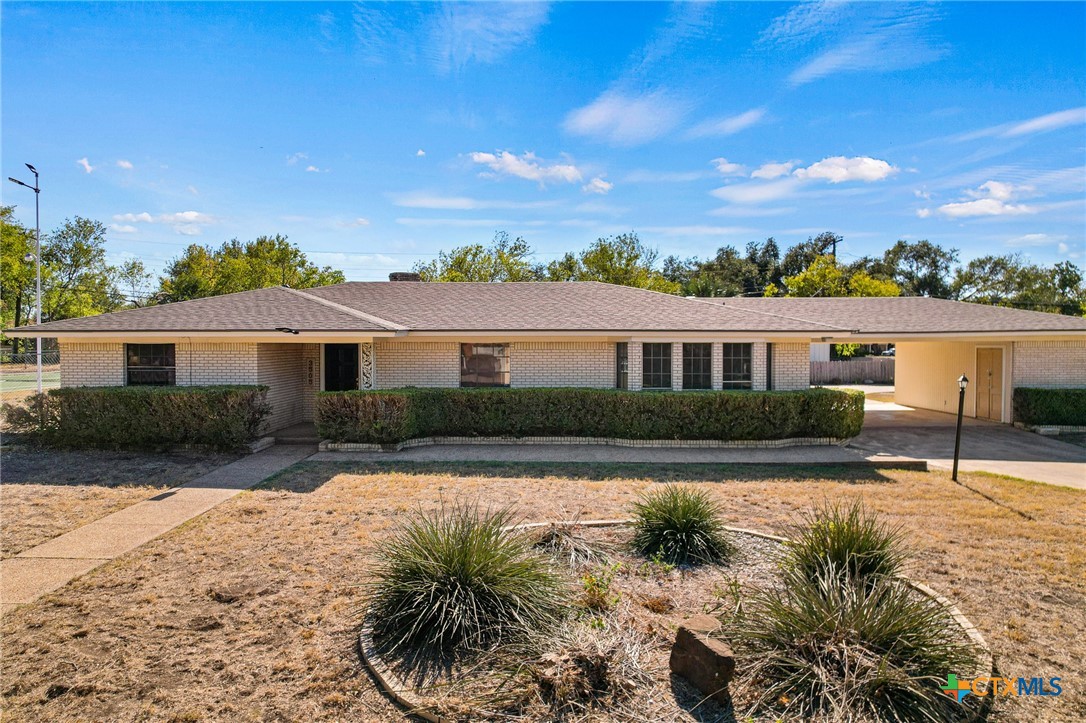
x=37 y=260
x=963 y=382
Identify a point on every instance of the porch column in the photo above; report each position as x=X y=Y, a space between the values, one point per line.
x=634 y=366
x=366 y=366
x=758 y=366
x=717 y=367
x=676 y=366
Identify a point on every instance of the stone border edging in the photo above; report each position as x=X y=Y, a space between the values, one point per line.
x=400 y=692
x=328 y=445
x=1051 y=430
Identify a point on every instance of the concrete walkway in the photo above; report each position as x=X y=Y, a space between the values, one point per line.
x=986 y=446
x=586 y=453
x=42 y=569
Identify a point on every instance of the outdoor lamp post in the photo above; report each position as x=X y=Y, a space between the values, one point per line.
x=963 y=382
x=37 y=259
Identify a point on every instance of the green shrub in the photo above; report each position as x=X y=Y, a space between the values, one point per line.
x=222 y=417
x=846 y=539
x=837 y=648
x=680 y=525
x=457 y=579
x=1050 y=406
x=384 y=417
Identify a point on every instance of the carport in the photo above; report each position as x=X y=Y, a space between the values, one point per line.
x=997 y=348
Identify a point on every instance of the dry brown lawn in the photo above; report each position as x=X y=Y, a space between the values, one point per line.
x=250 y=611
x=45 y=494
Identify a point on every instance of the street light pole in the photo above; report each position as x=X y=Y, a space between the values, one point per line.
x=963 y=382
x=37 y=260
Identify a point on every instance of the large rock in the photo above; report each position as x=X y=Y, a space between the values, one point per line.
x=707 y=663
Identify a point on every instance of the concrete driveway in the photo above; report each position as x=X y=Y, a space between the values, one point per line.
x=986 y=446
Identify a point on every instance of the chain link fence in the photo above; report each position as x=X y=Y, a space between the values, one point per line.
x=19 y=373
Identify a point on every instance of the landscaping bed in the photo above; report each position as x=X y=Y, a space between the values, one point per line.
x=252 y=611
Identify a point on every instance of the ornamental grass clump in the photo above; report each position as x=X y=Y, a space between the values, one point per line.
x=680 y=525
x=832 y=647
x=457 y=580
x=848 y=540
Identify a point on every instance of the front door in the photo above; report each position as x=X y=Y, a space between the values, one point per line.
x=340 y=367
x=990 y=384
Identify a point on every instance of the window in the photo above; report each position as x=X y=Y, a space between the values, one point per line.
x=484 y=365
x=656 y=366
x=697 y=366
x=149 y=364
x=737 y=366
x=622 y=365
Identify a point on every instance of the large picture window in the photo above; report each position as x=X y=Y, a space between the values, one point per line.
x=737 y=366
x=484 y=365
x=697 y=366
x=656 y=366
x=149 y=365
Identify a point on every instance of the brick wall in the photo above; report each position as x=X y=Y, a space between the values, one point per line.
x=279 y=366
x=311 y=380
x=1051 y=364
x=791 y=366
x=91 y=364
x=562 y=364
x=417 y=364
x=199 y=363
x=635 y=367
x=758 y=366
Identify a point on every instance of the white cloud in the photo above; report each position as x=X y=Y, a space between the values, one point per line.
x=597 y=185
x=998 y=190
x=484 y=33
x=838 y=169
x=1038 y=124
x=991 y=198
x=726 y=168
x=527 y=166
x=193 y=190
x=421 y=199
x=626 y=119
x=743 y=193
x=1035 y=239
x=293 y=158
x=188 y=223
x=123 y=228
x=354 y=223
x=922 y=193
x=923 y=212
x=727 y=126
x=420 y=153
x=126 y=165
x=314 y=169
x=85 y=164
x=984 y=207
x=769 y=171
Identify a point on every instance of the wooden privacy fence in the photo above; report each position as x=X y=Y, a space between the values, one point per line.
x=877 y=369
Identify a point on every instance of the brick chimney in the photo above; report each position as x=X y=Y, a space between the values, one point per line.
x=404 y=276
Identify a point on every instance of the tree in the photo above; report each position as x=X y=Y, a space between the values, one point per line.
x=235 y=266
x=921 y=268
x=621 y=260
x=825 y=277
x=16 y=273
x=76 y=280
x=802 y=255
x=133 y=282
x=503 y=260
x=1011 y=281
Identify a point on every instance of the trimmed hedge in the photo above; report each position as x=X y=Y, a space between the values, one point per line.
x=1050 y=406
x=222 y=417
x=387 y=417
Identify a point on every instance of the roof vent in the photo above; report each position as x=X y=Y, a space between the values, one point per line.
x=404 y=276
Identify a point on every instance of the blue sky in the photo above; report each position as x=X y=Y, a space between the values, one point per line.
x=374 y=135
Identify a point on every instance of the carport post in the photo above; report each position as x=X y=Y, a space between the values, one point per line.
x=963 y=382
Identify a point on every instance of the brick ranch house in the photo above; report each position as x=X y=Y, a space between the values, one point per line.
x=382 y=335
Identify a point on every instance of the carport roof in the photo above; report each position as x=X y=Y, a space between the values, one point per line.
x=910 y=315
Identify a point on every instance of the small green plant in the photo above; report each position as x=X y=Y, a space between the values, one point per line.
x=847 y=539
x=845 y=649
x=679 y=525
x=458 y=579
x=597 y=595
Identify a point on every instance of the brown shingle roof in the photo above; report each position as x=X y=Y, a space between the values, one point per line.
x=910 y=315
x=259 y=310
x=543 y=306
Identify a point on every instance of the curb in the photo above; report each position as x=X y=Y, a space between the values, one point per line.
x=330 y=446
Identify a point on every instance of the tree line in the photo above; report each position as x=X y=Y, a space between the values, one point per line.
x=77 y=280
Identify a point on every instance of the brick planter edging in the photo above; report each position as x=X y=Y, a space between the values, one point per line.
x=403 y=694
x=330 y=446
x=1050 y=430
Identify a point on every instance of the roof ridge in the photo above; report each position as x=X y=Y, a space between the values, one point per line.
x=724 y=305
x=391 y=326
